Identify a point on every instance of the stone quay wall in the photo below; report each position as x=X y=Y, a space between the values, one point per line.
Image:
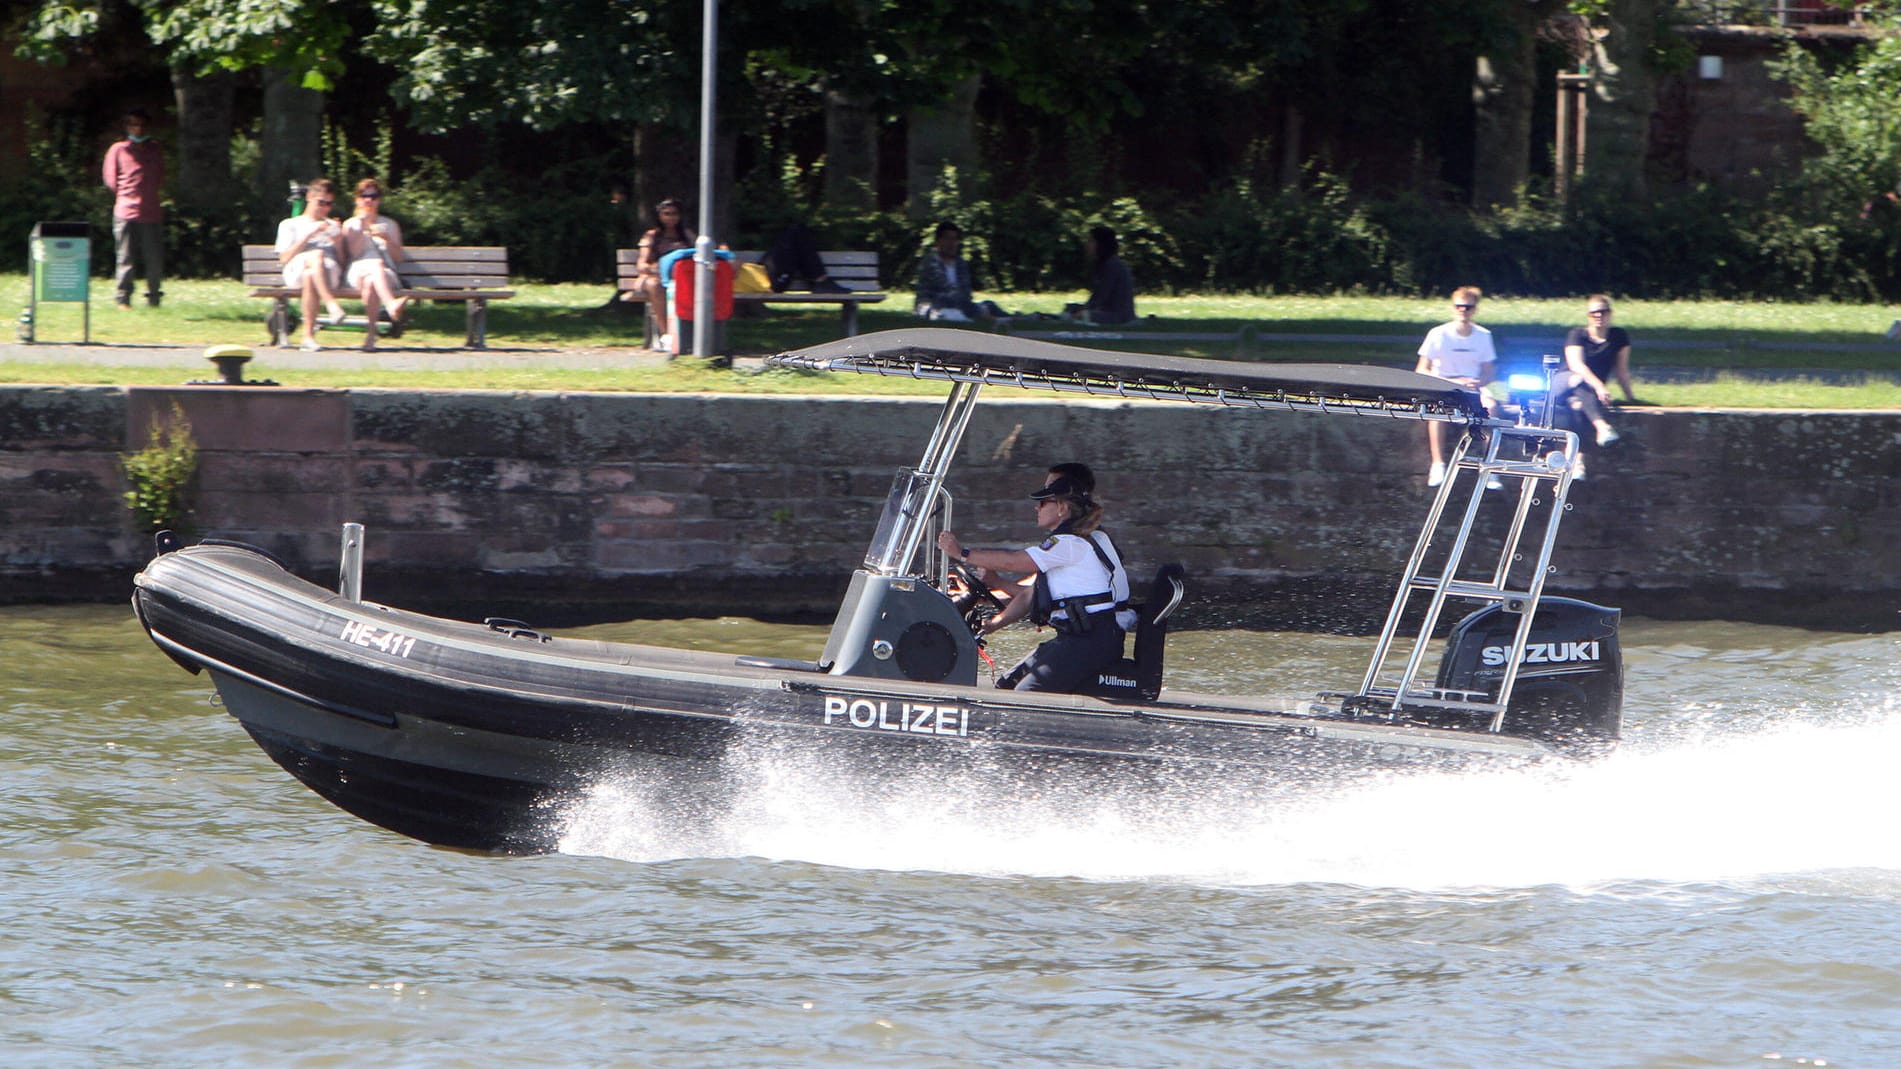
x=585 y=505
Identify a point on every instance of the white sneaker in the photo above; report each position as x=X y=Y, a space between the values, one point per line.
x=1438 y=473
x=1577 y=468
x=1492 y=483
x=1606 y=434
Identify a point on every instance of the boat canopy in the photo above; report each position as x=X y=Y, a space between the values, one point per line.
x=968 y=356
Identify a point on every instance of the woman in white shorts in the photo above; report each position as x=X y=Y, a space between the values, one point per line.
x=374 y=244
x=309 y=246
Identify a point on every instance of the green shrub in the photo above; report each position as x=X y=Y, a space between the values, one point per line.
x=1242 y=236
x=158 y=477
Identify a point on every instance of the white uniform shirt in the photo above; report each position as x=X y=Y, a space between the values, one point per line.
x=1072 y=568
x=1452 y=357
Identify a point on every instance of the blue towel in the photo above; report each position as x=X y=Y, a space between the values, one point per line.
x=667 y=262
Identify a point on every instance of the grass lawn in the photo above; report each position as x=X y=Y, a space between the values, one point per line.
x=1708 y=335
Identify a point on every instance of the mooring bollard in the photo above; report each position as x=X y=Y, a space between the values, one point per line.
x=230 y=360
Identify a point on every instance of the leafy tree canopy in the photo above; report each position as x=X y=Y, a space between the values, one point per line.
x=1851 y=113
x=307 y=37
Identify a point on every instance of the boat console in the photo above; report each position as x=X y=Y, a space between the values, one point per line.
x=896 y=621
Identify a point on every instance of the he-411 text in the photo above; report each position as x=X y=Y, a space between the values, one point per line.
x=391 y=642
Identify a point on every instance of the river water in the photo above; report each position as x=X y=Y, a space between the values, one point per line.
x=1723 y=891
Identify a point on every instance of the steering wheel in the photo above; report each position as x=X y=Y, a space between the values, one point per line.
x=977 y=603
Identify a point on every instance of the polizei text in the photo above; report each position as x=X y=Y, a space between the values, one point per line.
x=910 y=718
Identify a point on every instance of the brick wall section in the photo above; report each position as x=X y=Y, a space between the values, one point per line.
x=603 y=504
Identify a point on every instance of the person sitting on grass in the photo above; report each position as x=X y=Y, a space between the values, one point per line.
x=944 y=281
x=1111 y=286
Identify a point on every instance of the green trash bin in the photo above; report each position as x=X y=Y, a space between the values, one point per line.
x=61 y=258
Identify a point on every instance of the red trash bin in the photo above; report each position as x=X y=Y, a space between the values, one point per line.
x=686 y=276
x=686 y=303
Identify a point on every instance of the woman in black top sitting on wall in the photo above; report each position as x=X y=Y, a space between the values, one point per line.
x=1595 y=352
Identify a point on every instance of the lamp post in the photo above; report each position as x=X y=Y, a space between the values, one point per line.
x=703 y=246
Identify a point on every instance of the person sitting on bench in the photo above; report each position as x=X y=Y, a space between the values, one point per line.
x=310 y=248
x=795 y=255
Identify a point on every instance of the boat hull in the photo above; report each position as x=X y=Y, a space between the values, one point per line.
x=485 y=737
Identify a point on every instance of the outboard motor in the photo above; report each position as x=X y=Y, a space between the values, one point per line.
x=1570 y=687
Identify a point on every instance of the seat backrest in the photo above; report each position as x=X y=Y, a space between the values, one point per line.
x=454 y=267
x=1151 y=629
x=261 y=267
x=856 y=270
x=1165 y=594
x=433 y=267
x=1139 y=676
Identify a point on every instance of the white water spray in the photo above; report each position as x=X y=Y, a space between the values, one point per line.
x=1793 y=799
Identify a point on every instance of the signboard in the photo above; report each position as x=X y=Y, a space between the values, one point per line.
x=60 y=268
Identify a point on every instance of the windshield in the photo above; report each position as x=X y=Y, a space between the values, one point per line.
x=907 y=510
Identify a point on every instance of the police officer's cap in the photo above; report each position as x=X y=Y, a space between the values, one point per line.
x=1060 y=487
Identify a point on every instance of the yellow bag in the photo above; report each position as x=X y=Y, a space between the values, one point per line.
x=751 y=278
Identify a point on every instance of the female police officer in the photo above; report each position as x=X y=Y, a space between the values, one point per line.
x=1072 y=592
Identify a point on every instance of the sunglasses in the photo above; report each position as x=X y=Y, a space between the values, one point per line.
x=1465 y=306
x=1600 y=311
x=369 y=196
x=324 y=203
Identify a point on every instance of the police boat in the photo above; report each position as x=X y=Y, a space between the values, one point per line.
x=483 y=735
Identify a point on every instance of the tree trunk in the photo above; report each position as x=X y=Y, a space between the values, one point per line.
x=292 y=142
x=725 y=172
x=851 y=151
x=1623 y=94
x=1504 y=87
x=666 y=164
x=204 y=185
x=1293 y=153
x=940 y=137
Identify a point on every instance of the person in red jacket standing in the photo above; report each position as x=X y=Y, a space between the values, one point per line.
x=134 y=171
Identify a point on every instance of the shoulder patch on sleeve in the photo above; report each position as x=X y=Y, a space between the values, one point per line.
x=1048 y=543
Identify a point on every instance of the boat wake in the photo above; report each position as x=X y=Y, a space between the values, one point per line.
x=1788 y=800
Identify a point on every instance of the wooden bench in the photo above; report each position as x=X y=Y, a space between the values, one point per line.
x=472 y=274
x=856 y=271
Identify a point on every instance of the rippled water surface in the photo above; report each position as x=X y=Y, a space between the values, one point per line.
x=1725 y=890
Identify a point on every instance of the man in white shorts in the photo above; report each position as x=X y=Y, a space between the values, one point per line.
x=1461 y=351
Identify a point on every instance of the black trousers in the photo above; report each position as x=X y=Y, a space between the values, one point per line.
x=795 y=255
x=1069 y=662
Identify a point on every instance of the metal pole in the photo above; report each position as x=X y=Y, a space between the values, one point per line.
x=703 y=247
x=350 y=563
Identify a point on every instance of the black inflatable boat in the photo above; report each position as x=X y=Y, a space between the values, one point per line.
x=480 y=735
